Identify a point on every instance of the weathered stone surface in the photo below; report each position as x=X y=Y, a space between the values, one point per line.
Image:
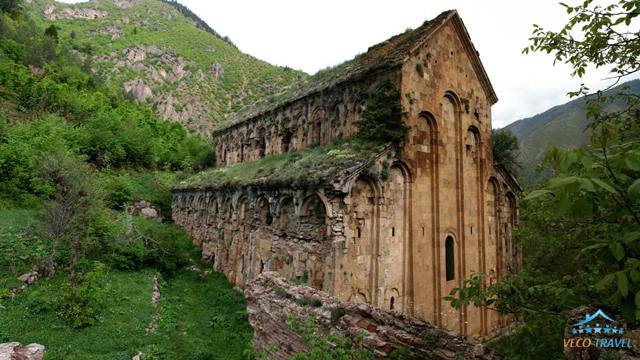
x=399 y=232
x=15 y=351
x=138 y=89
x=216 y=71
x=145 y=209
x=29 y=278
x=114 y=32
x=66 y=13
x=124 y=4
x=271 y=299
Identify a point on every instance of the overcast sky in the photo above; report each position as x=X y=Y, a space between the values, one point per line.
x=311 y=36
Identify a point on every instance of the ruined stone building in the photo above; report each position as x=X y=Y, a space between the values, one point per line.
x=297 y=191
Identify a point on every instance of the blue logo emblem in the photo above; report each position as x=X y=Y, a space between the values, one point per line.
x=599 y=330
x=594 y=324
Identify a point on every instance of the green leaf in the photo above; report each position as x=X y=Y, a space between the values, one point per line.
x=604 y=185
x=582 y=208
x=606 y=281
x=617 y=251
x=561 y=182
x=634 y=189
x=623 y=283
x=537 y=193
x=562 y=206
x=586 y=185
x=630 y=237
x=594 y=247
x=633 y=162
x=638 y=299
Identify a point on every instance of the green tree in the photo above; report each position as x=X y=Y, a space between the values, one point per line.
x=67 y=216
x=382 y=116
x=505 y=150
x=11 y=7
x=52 y=32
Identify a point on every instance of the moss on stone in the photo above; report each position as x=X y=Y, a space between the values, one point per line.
x=305 y=168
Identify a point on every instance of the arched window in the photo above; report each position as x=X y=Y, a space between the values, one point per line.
x=392 y=303
x=449 y=258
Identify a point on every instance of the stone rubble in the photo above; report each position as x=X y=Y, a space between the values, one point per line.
x=15 y=351
x=152 y=328
x=271 y=299
x=50 y=13
x=145 y=209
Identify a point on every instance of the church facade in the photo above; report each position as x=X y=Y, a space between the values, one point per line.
x=295 y=192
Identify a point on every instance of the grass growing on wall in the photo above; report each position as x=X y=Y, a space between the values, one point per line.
x=306 y=167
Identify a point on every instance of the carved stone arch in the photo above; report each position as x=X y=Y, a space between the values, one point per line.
x=189 y=204
x=286 y=134
x=316 y=126
x=212 y=210
x=374 y=183
x=263 y=210
x=358 y=297
x=286 y=213
x=261 y=142
x=450 y=94
x=406 y=171
x=362 y=233
x=395 y=299
x=338 y=120
x=241 y=207
x=511 y=219
x=430 y=119
x=473 y=143
x=313 y=218
x=227 y=209
x=392 y=251
x=451 y=259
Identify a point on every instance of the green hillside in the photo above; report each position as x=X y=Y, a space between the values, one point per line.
x=164 y=55
x=561 y=126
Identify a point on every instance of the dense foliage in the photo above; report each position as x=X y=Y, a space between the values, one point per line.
x=52 y=102
x=580 y=232
x=505 y=150
x=382 y=116
x=74 y=153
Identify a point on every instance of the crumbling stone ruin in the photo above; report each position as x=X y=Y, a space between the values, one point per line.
x=299 y=192
x=270 y=299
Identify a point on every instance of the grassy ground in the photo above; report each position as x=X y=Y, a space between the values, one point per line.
x=200 y=318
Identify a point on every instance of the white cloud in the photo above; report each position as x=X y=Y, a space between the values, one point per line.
x=313 y=35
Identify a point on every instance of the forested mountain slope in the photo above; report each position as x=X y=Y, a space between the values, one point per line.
x=164 y=55
x=562 y=126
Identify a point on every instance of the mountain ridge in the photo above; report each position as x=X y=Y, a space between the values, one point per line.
x=561 y=125
x=160 y=53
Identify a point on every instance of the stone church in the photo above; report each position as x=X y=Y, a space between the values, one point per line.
x=295 y=192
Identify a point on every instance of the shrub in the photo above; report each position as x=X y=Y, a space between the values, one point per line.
x=337 y=314
x=382 y=116
x=146 y=243
x=83 y=309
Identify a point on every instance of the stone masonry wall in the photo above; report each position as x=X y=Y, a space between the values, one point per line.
x=316 y=119
x=271 y=300
x=246 y=232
